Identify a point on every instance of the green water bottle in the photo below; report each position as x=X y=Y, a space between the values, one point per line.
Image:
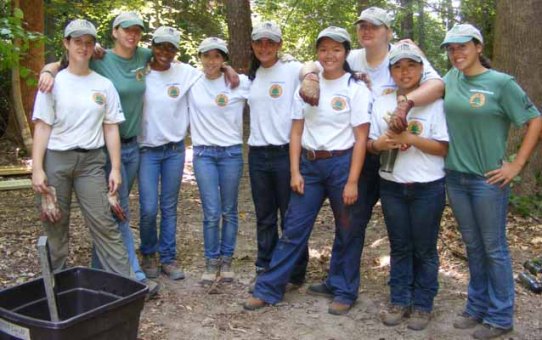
x=534 y=266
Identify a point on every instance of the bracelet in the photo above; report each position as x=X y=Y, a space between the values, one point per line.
x=47 y=71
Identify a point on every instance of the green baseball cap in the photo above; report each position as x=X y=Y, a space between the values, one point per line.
x=127 y=19
x=462 y=33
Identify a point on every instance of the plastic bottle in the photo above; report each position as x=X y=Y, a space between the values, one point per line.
x=534 y=266
x=530 y=282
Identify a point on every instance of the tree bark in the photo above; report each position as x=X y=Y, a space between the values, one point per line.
x=517 y=52
x=407 y=24
x=238 y=17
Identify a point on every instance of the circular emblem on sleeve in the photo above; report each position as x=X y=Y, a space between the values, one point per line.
x=338 y=103
x=275 y=91
x=173 y=91
x=477 y=100
x=415 y=127
x=98 y=98
x=221 y=100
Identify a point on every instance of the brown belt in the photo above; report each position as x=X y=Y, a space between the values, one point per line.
x=313 y=155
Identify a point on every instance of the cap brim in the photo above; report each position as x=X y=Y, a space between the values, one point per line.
x=410 y=56
x=129 y=23
x=373 y=21
x=336 y=37
x=266 y=35
x=212 y=47
x=80 y=33
x=161 y=40
x=456 y=40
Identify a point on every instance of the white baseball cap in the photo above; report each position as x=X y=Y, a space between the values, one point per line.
x=267 y=30
x=213 y=43
x=462 y=33
x=79 y=27
x=127 y=19
x=336 y=33
x=167 y=34
x=405 y=51
x=376 y=16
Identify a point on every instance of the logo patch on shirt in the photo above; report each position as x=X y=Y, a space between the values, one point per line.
x=173 y=91
x=415 y=127
x=98 y=98
x=221 y=100
x=275 y=91
x=140 y=74
x=338 y=103
x=387 y=91
x=477 y=100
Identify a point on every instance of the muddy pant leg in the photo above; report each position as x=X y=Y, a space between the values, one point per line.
x=91 y=191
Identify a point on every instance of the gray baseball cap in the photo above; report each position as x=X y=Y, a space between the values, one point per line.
x=127 y=19
x=336 y=33
x=213 y=43
x=376 y=16
x=462 y=33
x=267 y=30
x=79 y=27
x=166 y=34
x=405 y=51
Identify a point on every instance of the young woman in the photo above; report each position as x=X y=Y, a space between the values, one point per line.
x=480 y=105
x=327 y=149
x=412 y=194
x=125 y=66
x=161 y=141
x=72 y=124
x=216 y=123
x=270 y=99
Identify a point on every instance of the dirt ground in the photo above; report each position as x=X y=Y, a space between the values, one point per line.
x=187 y=310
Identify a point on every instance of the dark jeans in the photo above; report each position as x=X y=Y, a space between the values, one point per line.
x=269 y=169
x=412 y=213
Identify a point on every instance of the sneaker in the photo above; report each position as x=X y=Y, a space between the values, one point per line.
x=465 y=321
x=394 y=314
x=211 y=270
x=253 y=303
x=226 y=272
x=153 y=286
x=149 y=265
x=320 y=289
x=173 y=270
x=490 y=332
x=339 y=308
x=419 y=320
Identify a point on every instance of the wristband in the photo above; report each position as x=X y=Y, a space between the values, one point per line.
x=410 y=103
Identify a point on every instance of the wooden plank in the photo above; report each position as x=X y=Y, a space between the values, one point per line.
x=13 y=170
x=15 y=184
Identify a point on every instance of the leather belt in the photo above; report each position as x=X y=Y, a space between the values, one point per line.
x=128 y=140
x=313 y=155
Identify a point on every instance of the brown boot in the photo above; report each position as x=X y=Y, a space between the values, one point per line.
x=253 y=303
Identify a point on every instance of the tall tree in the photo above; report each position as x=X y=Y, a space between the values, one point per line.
x=238 y=18
x=407 y=19
x=517 y=52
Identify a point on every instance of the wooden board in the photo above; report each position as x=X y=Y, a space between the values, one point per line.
x=16 y=184
x=13 y=170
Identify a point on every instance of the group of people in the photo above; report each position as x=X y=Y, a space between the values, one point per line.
x=316 y=131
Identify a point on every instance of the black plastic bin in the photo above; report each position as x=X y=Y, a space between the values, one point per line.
x=92 y=304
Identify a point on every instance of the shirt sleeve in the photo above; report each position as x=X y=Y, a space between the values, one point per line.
x=429 y=72
x=375 y=131
x=516 y=103
x=360 y=103
x=113 y=109
x=297 y=105
x=44 y=108
x=439 y=129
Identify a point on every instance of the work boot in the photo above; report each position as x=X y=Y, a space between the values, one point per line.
x=490 y=332
x=173 y=270
x=226 y=271
x=149 y=265
x=253 y=303
x=465 y=321
x=419 y=320
x=320 y=289
x=252 y=283
x=211 y=270
x=394 y=314
x=339 y=308
x=153 y=286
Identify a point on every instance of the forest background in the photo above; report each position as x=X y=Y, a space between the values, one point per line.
x=31 y=33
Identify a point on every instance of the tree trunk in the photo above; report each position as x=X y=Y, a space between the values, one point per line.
x=407 y=24
x=33 y=60
x=517 y=52
x=238 y=17
x=421 y=25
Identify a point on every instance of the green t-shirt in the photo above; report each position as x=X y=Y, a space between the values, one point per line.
x=479 y=110
x=128 y=76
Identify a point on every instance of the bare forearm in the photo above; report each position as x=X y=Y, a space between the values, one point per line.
x=112 y=142
x=530 y=140
x=295 y=145
x=42 y=131
x=428 y=92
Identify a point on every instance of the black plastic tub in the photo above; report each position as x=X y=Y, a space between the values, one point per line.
x=92 y=304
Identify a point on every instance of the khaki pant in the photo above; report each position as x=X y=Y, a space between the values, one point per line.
x=83 y=172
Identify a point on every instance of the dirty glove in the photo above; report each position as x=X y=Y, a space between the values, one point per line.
x=49 y=207
x=116 y=209
x=310 y=89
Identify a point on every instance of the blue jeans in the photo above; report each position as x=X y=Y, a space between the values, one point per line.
x=412 y=213
x=128 y=170
x=160 y=176
x=269 y=169
x=218 y=173
x=480 y=210
x=323 y=178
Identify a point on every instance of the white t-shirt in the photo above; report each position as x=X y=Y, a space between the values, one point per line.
x=216 y=111
x=165 y=110
x=270 y=99
x=76 y=109
x=380 y=76
x=413 y=165
x=343 y=105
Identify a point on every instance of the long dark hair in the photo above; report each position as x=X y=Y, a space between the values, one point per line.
x=483 y=59
x=346 y=65
x=254 y=65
